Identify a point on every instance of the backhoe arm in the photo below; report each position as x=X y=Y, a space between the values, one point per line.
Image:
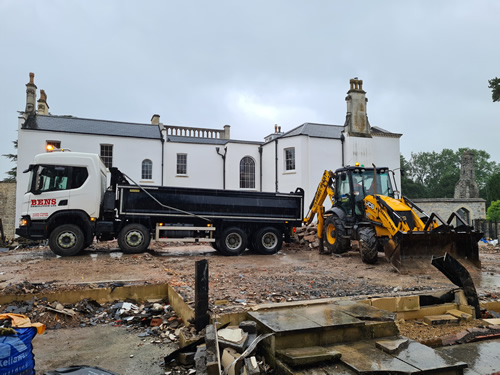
x=325 y=188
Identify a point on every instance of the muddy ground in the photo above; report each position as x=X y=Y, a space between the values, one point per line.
x=295 y=273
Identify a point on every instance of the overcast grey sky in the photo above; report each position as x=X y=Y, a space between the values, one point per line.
x=252 y=64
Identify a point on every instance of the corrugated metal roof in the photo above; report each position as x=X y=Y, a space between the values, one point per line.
x=316 y=130
x=68 y=124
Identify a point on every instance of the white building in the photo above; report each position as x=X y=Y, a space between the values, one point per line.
x=158 y=154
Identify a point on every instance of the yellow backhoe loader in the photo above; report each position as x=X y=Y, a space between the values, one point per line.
x=365 y=207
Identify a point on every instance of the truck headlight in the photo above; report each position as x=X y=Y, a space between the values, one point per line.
x=23 y=222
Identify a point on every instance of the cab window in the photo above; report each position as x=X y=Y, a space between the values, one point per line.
x=56 y=177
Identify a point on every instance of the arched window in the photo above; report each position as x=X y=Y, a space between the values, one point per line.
x=247 y=173
x=465 y=214
x=147 y=169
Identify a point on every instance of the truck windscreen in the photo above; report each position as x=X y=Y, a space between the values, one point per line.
x=56 y=177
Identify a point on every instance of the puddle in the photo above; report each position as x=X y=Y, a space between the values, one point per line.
x=16 y=256
x=482 y=357
x=487 y=280
x=116 y=255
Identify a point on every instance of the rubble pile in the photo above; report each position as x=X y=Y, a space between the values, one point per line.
x=229 y=350
x=307 y=236
x=157 y=320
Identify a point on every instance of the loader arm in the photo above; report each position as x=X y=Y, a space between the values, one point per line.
x=325 y=188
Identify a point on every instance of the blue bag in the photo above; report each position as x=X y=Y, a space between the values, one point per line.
x=16 y=353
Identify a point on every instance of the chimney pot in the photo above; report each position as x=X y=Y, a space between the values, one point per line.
x=155 y=120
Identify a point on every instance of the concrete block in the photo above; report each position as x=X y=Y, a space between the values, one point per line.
x=388 y=304
x=200 y=359
x=460 y=314
x=377 y=330
x=229 y=355
x=407 y=303
x=248 y=326
x=460 y=298
x=441 y=319
x=186 y=358
x=492 y=305
x=494 y=321
x=210 y=337
x=425 y=311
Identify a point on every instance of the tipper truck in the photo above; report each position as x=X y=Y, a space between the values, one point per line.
x=68 y=201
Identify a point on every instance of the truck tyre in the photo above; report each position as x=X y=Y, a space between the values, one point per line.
x=134 y=238
x=66 y=240
x=268 y=240
x=333 y=234
x=233 y=241
x=368 y=245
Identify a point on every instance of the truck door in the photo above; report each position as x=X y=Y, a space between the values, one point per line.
x=48 y=191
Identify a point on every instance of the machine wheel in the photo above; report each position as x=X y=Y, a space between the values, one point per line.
x=268 y=240
x=233 y=241
x=66 y=240
x=368 y=245
x=134 y=238
x=333 y=234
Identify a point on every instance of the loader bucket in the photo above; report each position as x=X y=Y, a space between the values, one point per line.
x=406 y=246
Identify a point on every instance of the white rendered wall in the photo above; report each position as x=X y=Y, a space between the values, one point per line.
x=204 y=166
x=236 y=152
x=128 y=153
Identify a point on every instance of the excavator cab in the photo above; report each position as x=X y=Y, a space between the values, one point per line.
x=355 y=184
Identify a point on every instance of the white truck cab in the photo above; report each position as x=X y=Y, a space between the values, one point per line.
x=63 y=187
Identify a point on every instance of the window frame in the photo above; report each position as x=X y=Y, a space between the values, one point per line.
x=106 y=154
x=181 y=165
x=247 y=177
x=290 y=162
x=147 y=169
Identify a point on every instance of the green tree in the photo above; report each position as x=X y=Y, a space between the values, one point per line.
x=493 y=187
x=438 y=173
x=493 y=212
x=409 y=187
x=12 y=174
x=494 y=85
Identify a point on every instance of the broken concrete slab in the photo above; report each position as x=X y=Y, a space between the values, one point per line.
x=307 y=356
x=364 y=357
x=392 y=346
x=232 y=337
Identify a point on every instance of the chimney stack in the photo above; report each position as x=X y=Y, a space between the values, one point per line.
x=43 y=107
x=31 y=96
x=356 y=118
x=155 y=120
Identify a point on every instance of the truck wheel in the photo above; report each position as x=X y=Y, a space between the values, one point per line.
x=134 y=238
x=66 y=240
x=233 y=241
x=368 y=245
x=268 y=240
x=333 y=234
